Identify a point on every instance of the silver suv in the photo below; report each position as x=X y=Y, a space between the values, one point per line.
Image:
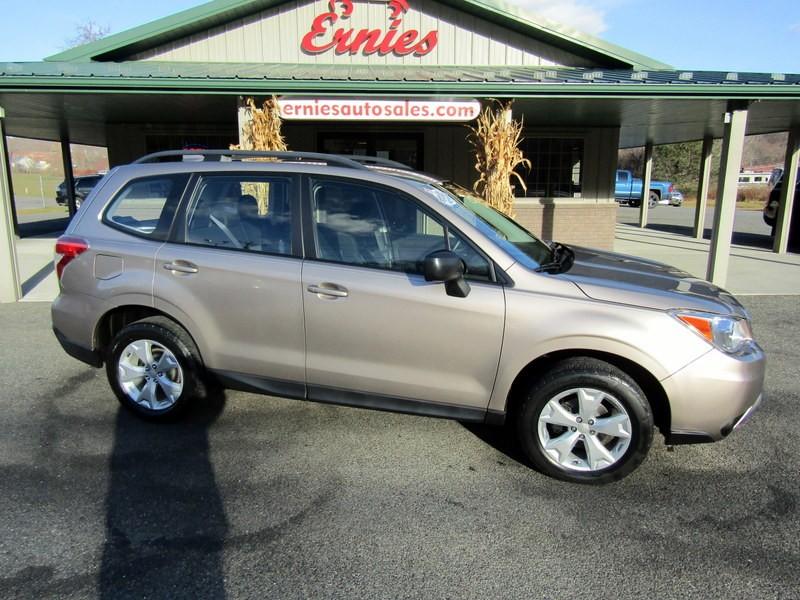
x=361 y=283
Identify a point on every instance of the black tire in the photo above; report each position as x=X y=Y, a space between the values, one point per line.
x=653 y=199
x=584 y=372
x=171 y=336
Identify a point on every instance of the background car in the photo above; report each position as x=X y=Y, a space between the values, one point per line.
x=83 y=185
x=771 y=208
x=676 y=199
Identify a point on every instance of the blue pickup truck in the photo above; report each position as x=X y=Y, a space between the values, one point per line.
x=628 y=190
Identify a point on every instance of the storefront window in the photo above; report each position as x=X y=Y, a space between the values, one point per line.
x=556 y=167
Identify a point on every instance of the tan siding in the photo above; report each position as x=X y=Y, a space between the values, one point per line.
x=274 y=35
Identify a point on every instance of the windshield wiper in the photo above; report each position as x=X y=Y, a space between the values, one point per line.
x=561 y=259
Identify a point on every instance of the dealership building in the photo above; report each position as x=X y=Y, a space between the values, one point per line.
x=401 y=80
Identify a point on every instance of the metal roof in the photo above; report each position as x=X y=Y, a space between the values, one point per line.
x=185 y=77
x=122 y=45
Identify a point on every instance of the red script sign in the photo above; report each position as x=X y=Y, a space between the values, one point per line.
x=322 y=37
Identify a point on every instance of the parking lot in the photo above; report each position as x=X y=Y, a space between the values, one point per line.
x=749 y=227
x=267 y=498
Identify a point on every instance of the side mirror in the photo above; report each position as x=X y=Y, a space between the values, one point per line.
x=446 y=266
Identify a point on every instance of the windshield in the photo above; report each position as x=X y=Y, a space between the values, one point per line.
x=520 y=243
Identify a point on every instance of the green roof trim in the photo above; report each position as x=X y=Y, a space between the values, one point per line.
x=348 y=80
x=122 y=45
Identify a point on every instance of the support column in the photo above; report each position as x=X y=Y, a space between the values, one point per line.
x=784 y=219
x=244 y=118
x=702 y=188
x=725 y=211
x=10 y=290
x=69 y=178
x=647 y=177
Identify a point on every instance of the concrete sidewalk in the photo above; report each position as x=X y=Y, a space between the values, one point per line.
x=752 y=271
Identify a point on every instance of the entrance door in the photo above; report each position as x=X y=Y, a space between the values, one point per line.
x=378 y=334
x=405 y=148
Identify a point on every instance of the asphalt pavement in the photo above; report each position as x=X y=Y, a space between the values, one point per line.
x=254 y=497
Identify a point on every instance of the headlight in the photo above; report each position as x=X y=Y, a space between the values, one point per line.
x=728 y=333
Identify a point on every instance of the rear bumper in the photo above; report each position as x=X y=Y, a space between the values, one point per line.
x=714 y=395
x=86 y=355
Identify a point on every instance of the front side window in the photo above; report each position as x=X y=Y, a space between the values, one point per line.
x=376 y=227
x=242 y=212
x=147 y=206
x=509 y=235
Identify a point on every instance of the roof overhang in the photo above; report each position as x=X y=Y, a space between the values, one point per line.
x=45 y=100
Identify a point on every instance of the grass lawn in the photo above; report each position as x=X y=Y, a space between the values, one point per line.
x=32 y=184
x=743 y=205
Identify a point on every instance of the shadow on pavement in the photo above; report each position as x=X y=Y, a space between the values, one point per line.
x=501 y=438
x=165 y=520
x=756 y=240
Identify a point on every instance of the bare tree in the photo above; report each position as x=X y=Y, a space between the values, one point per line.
x=86 y=32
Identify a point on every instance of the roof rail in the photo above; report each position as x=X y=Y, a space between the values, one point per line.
x=376 y=161
x=239 y=155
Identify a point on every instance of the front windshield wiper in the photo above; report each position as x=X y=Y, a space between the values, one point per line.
x=561 y=259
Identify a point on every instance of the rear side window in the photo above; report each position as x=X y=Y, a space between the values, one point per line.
x=242 y=212
x=146 y=206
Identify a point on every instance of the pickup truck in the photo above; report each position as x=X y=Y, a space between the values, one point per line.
x=628 y=190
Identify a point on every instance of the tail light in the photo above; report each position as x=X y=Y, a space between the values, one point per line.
x=671 y=188
x=67 y=248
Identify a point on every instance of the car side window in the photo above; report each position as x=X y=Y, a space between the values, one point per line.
x=477 y=267
x=242 y=212
x=146 y=206
x=376 y=227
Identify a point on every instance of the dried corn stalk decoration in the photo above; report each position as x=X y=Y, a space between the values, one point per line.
x=261 y=132
x=496 y=138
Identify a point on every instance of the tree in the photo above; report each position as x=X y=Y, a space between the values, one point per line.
x=87 y=32
x=677 y=163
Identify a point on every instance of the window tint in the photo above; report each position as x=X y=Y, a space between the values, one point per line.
x=242 y=212
x=147 y=206
x=372 y=227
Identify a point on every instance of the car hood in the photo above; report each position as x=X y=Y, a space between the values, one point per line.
x=612 y=277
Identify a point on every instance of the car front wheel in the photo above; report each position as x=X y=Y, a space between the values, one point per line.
x=585 y=421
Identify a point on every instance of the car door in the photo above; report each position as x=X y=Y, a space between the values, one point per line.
x=231 y=271
x=377 y=333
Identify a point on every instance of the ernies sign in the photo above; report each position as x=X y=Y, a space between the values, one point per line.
x=329 y=31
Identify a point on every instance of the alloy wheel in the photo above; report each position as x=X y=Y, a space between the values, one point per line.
x=584 y=430
x=150 y=375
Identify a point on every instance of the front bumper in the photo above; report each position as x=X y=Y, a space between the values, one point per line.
x=714 y=395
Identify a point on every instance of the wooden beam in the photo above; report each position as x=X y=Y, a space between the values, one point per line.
x=702 y=188
x=10 y=290
x=644 y=206
x=725 y=211
x=783 y=221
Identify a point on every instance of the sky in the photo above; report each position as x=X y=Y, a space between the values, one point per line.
x=725 y=35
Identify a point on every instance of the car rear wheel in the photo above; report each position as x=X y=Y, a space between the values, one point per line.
x=586 y=421
x=653 y=199
x=154 y=368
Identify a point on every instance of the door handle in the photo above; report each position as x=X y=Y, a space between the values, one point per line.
x=181 y=266
x=329 y=289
